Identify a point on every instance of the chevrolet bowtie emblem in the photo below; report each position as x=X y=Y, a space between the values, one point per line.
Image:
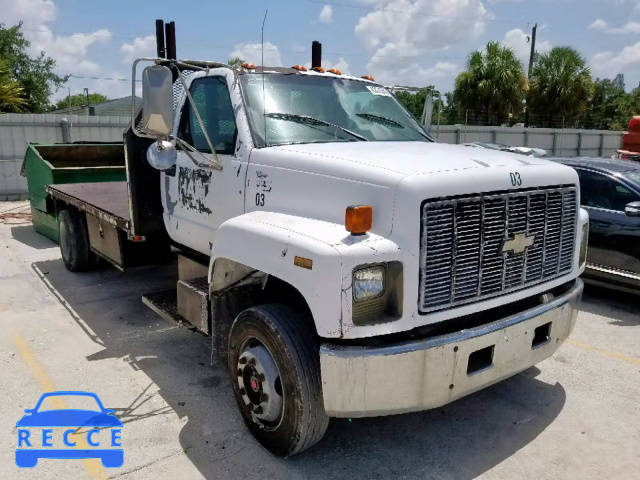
x=518 y=244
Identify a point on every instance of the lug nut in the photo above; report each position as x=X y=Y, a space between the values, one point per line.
x=261 y=377
x=239 y=372
x=243 y=391
x=264 y=397
x=252 y=362
x=242 y=360
x=258 y=411
x=250 y=407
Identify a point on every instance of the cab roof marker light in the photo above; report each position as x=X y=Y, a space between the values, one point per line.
x=318 y=69
x=335 y=71
x=249 y=66
x=368 y=77
x=300 y=68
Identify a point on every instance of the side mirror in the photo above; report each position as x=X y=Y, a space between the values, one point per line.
x=632 y=209
x=157 y=91
x=162 y=155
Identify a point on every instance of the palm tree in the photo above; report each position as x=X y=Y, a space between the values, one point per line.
x=494 y=83
x=11 y=93
x=560 y=85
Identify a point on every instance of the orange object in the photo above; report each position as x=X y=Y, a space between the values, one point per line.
x=300 y=68
x=303 y=262
x=368 y=77
x=631 y=139
x=358 y=219
x=249 y=66
x=318 y=69
x=335 y=71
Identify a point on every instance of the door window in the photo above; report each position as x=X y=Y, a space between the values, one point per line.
x=211 y=97
x=601 y=191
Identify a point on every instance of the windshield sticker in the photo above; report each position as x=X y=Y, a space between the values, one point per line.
x=379 y=91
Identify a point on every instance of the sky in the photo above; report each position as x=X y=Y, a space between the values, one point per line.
x=401 y=42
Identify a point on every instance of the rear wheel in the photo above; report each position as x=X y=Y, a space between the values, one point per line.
x=275 y=370
x=74 y=242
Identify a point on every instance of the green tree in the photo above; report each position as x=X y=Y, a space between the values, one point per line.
x=560 y=86
x=414 y=101
x=628 y=106
x=34 y=75
x=235 y=62
x=493 y=85
x=11 y=94
x=602 y=109
x=79 y=100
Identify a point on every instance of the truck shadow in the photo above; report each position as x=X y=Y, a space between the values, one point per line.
x=25 y=235
x=461 y=440
x=620 y=307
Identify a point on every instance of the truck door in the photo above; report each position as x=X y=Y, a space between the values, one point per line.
x=197 y=199
x=613 y=235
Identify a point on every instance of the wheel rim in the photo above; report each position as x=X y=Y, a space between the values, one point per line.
x=260 y=385
x=65 y=247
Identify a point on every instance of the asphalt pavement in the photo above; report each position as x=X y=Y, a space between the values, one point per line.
x=575 y=415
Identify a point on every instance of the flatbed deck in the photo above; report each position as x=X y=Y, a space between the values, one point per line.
x=105 y=200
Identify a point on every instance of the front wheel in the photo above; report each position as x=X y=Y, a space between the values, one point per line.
x=275 y=371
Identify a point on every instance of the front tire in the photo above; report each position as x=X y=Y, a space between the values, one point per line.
x=275 y=371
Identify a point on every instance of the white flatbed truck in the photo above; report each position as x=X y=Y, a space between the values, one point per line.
x=344 y=264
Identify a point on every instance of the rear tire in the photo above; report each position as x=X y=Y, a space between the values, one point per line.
x=74 y=241
x=274 y=364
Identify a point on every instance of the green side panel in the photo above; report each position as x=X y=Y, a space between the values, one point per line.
x=67 y=163
x=45 y=223
x=88 y=175
x=38 y=173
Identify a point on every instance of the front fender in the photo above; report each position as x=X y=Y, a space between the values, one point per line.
x=270 y=242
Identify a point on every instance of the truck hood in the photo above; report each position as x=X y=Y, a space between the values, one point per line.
x=412 y=158
x=320 y=180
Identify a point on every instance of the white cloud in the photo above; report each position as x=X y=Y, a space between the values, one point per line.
x=607 y=64
x=252 y=53
x=414 y=75
x=420 y=24
x=69 y=51
x=325 y=14
x=398 y=29
x=602 y=26
x=517 y=39
x=140 y=47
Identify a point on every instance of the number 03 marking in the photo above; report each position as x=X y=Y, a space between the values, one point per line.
x=259 y=199
x=516 y=181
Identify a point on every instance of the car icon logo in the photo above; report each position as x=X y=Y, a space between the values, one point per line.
x=36 y=428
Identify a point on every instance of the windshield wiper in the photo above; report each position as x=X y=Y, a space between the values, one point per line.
x=307 y=120
x=389 y=122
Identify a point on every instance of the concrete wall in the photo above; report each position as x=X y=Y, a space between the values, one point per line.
x=17 y=130
x=560 y=143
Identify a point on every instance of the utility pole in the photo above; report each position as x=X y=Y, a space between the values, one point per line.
x=531 y=57
x=86 y=91
x=69 y=98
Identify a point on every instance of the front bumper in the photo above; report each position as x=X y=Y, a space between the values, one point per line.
x=424 y=374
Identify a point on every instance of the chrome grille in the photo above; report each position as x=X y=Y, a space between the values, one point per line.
x=462 y=241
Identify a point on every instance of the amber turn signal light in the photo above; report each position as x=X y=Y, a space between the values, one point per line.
x=358 y=219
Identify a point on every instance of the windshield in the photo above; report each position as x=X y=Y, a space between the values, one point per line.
x=317 y=109
x=633 y=175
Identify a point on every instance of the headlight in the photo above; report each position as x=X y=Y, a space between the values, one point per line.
x=583 y=245
x=369 y=283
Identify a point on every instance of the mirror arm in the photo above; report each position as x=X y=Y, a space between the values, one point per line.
x=204 y=130
x=188 y=149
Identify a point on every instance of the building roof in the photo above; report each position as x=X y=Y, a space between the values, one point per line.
x=119 y=107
